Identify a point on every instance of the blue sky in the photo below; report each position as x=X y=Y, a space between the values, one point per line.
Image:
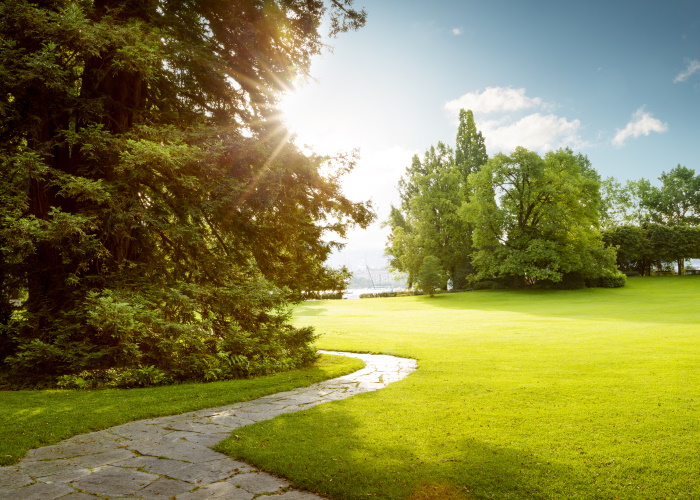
x=618 y=81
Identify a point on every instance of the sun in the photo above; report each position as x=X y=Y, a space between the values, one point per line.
x=313 y=122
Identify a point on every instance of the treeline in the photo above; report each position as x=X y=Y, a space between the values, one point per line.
x=469 y=221
x=653 y=227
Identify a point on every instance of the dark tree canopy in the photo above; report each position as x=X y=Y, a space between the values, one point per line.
x=639 y=248
x=663 y=217
x=153 y=211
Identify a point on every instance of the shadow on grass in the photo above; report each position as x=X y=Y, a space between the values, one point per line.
x=326 y=450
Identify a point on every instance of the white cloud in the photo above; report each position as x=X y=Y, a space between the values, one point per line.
x=642 y=123
x=494 y=100
x=508 y=118
x=456 y=31
x=693 y=67
x=536 y=132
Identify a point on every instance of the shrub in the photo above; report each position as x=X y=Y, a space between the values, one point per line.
x=134 y=343
x=569 y=281
x=610 y=281
x=73 y=382
x=487 y=285
x=144 y=376
x=430 y=276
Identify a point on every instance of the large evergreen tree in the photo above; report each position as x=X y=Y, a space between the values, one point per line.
x=154 y=212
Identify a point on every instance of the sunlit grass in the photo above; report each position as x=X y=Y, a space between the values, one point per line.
x=534 y=394
x=29 y=419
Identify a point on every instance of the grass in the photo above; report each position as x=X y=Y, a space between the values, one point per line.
x=30 y=419
x=587 y=394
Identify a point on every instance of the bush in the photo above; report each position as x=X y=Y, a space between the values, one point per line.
x=488 y=285
x=569 y=281
x=608 y=281
x=144 y=376
x=430 y=276
x=134 y=344
x=73 y=382
x=617 y=281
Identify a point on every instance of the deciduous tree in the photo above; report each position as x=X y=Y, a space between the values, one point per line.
x=536 y=219
x=676 y=203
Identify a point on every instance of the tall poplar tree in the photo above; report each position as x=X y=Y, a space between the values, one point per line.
x=154 y=212
x=470 y=149
x=429 y=221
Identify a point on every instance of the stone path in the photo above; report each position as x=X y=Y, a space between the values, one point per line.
x=169 y=457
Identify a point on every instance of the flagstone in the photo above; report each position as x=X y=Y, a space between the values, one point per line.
x=38 y=491
x=115 y=481
x=216 y=491
x=14 y=477
x=164 y=489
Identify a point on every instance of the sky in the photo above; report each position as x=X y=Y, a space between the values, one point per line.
x=616 y=80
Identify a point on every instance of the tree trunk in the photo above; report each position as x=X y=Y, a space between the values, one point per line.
x=42 y=281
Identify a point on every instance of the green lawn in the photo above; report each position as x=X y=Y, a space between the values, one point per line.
x=29 y=419
x=519 y=394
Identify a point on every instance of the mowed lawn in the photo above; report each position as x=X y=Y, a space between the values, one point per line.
x=519 y=394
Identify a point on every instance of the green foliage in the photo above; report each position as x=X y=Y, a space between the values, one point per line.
x=644 y=248
x=153 y=213
x=430 y=277
x=639 y=218
x=488 y=285
x=379 y=295
x=536 y=219
x=428 y=222
x=677 y=201
x=323 y=295
x=569 y=281
x=143 y=376
x=624 y=205
x=470 y=148
x=608 y=281
x=633 y=252
x=520 y=219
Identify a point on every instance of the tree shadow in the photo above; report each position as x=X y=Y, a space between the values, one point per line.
x=329 y=450
x=670 y=300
